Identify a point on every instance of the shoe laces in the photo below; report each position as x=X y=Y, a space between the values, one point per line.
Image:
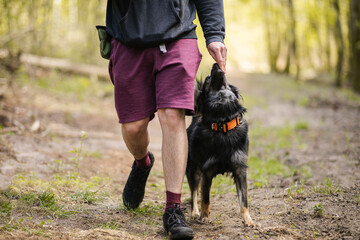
x=176 y=216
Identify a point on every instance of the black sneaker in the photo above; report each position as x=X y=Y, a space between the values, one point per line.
x=175 y=224
x=134 y=190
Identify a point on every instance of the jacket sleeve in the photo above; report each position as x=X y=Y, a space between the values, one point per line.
x=211 y=16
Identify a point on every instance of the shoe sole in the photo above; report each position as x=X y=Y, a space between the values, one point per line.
x=183 y=235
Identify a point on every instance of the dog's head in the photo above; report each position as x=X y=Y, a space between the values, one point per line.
x=217 y=99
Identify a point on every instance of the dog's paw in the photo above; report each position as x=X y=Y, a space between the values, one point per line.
x=205 y=220
x=205 y=217
x=248 y=222
x=195 y=215
x=205 y=214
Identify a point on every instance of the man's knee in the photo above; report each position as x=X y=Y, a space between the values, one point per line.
x=171 y=117
x=135 y=129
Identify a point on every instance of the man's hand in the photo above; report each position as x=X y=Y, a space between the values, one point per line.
x=218 y=51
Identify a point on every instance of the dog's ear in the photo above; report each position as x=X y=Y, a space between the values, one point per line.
x=207 y=84
x=202 y=94
x=197 y=90
x=199 y=102
x=235 y=90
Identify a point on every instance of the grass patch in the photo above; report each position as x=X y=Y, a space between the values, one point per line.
x=327 y=188
x=5 y=207
x=222 y=184
x=97 y=155
x=350 y=95
x=261 y=170
x=301 y=126
x=57 y=197
x=63 y=84
x=251 y=101
x=113 y=225
x=149 y=209
x=303 y=101
x=296 y=189
x=148 y=213
x=87 y=196
x=272 y=138
x=318 y=211
x=41 y=200
x=268 y=148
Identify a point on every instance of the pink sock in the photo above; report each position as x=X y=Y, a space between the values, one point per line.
x=144 y=162
x=172 y=199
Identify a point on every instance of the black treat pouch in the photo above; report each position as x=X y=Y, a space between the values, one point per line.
x=105 y=42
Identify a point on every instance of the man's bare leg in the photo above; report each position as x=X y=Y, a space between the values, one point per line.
x=136 y=137
x=174 y=147
x=174 y=156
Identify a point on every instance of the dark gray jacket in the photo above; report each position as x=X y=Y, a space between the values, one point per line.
x=145 y=23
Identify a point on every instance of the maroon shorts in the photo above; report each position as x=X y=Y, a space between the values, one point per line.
x=148 y=79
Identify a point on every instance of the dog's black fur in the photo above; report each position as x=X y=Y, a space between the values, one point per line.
x=216 y=152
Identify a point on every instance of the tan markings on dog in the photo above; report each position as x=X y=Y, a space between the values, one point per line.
x=205 y=210
x=246 y=216
x=195 y=212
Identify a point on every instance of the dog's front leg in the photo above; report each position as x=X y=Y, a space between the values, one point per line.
x=205 y=197
x=194 y=203
x=194 y=180
x=241 y=189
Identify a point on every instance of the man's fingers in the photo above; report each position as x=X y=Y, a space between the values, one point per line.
x=218 y=52
x=212 y=54
x=224 y=55
x=220 y=60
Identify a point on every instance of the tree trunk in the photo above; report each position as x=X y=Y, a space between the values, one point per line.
x=354 y=39
x=340 y=44
x=293 y=52
x=328 y=35
x=267 y=25
x=287 y=64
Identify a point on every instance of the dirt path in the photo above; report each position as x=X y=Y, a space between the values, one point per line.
x=304 y=167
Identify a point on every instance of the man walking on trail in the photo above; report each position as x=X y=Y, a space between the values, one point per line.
x=153 y=63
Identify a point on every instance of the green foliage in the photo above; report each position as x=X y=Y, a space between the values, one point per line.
x=351 y=95
x=328 y=188
x=296 y=189
x=68 y=85
x=149 y=209
x=304 y=101
x=262 y=170
x=5 y=207
x=318 y=211
x=53 y=196
x=46 y=200
x=276 y=137
x=52 y=28
x=265 y=164
x=113 y=225
x=78 y=151
x=87 y=196
x=356 y=198
x=97 y=155
x=223 y=184
x=301 y=125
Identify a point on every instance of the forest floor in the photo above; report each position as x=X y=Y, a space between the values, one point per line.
x=63 y=164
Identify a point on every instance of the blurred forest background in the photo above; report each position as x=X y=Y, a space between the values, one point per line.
x=63 y=162
x=308 y=39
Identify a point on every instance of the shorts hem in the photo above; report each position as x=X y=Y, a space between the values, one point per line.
x=189 y=111
x=149 y=114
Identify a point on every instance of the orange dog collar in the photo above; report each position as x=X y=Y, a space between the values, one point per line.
x=225 y=127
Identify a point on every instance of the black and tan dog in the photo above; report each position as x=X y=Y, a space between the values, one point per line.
x=218 y=142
